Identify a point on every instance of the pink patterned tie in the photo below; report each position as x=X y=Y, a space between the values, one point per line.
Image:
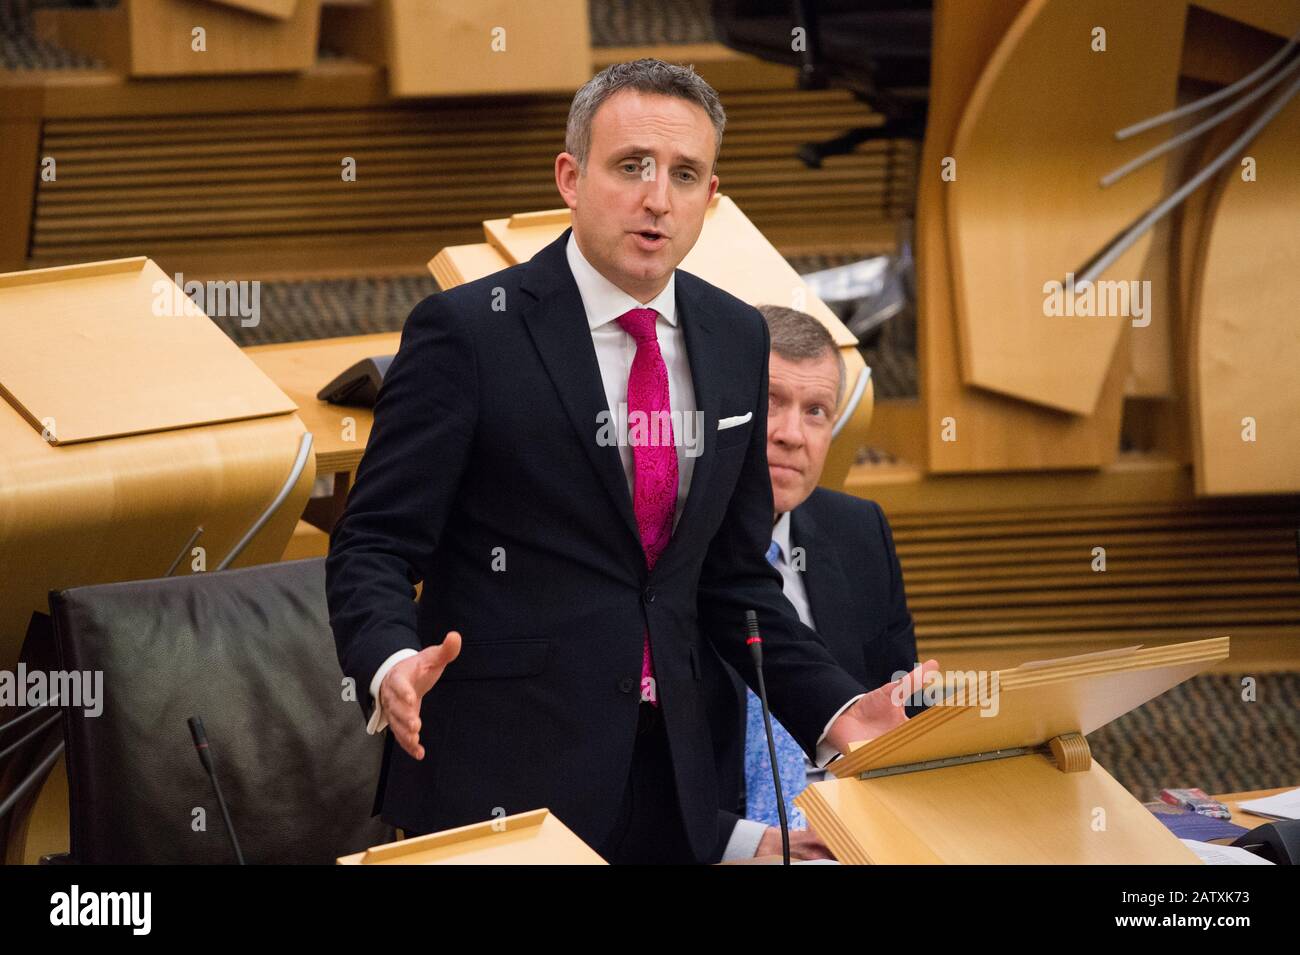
x=655 y=495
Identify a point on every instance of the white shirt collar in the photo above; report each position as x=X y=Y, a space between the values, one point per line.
x=781 y=534
x=604 y=301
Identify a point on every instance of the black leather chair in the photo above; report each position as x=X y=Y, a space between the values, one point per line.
x=251 y=653
x=31 y=743
x=877 y=49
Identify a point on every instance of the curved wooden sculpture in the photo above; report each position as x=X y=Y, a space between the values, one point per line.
x=1244 y=334
x=1026 y=209
x=966 y=428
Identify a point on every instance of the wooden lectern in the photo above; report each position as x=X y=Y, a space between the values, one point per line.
x=999 y=771
x=529 y=838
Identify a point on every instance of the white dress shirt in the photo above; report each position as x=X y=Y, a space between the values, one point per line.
x=791 y=579
x=604 y=302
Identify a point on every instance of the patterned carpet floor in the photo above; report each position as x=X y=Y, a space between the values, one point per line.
x=294 y=311
x=1203 y=733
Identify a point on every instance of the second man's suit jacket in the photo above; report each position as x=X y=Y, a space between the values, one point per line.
x=484 y=478
x=854 y=586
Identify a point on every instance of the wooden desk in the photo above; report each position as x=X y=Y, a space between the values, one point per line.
x=1240 y=817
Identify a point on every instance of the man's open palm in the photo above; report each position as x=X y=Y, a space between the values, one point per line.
x=404 y=687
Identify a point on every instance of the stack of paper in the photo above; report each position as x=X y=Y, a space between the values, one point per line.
x=1282 y=806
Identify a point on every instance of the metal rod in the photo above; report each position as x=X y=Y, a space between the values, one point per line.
x=304 y=450
x=14 y=747
x=951 y=761
x=33 y=710
x=1156 y=152
x=40 y=771
x=1213 y=98
x=1106 y=258
x=859 y=388
x=184 y=550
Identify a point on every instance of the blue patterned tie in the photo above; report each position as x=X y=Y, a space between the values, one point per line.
x=760 y=800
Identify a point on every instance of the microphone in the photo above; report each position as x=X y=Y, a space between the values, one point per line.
x=205 y=757
x=755 y=643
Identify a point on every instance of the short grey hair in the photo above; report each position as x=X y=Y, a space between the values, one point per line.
x=646 y=75
x=797 y=336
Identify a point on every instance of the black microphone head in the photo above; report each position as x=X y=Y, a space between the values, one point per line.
x=752 y=639
x=196 y=730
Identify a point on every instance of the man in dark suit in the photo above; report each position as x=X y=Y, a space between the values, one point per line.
x=839 y=570
x=576 y=574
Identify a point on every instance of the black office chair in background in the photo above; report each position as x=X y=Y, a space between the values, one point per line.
x=877 y=49
x=251 y=653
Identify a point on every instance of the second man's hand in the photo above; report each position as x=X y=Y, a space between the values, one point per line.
x=404 y=687
x=879 y=711
x=805 y=844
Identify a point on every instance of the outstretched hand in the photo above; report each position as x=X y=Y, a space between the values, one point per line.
x=404 y=687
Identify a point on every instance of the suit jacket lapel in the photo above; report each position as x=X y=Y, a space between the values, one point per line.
x=702 y=351
x=557 y=323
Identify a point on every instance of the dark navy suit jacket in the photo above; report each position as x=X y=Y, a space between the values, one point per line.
x=484 y=448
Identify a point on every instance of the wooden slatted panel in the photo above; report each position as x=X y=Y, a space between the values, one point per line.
x=1029 y=573
x=427 y=176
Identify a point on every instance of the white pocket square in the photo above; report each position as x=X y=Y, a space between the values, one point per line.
x=732 y=422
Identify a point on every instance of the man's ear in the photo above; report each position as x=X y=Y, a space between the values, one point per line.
x=566 y=178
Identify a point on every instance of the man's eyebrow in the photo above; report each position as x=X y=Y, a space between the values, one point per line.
x=643 y=150
x=815 y=392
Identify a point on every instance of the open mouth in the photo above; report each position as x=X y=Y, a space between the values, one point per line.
x=650 y=238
